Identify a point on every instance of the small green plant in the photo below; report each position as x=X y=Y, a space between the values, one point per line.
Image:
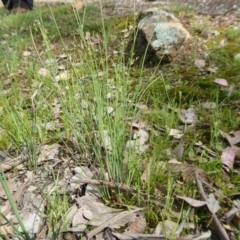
x=233 y=33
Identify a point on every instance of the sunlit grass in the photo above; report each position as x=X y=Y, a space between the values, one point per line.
x=97 y=99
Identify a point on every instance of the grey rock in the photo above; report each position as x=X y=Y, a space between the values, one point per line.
x=161 y=34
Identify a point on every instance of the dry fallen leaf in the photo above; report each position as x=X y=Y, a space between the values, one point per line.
x=193 y=202
x=10 y=184
x=233 y=138
x=212 y=69
x=209 y=105
x=200 y=63
x=178 y=151
x=221 y=82
x=176 y=133
x=188 y=116
x=213 y=204
x=137 y=226
x=228 y=157
x=79 y=222
x=48 y=152
x=26 y=53
x=231 y=214
x=65 y=75
x=167 y=227
x=120 y=219
x=43 y=71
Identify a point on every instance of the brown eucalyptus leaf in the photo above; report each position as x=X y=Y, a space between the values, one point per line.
x=233 y=138
x=228 y=157
x=193 y=202
x=137 y=226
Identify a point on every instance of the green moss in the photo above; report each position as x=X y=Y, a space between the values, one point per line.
x=4 y=141
x=122 y=23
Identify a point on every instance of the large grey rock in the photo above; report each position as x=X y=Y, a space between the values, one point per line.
x=161 y=33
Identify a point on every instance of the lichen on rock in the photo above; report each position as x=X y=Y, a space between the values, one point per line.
x=163 y=33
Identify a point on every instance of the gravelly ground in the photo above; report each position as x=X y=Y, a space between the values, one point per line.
x=202 y=6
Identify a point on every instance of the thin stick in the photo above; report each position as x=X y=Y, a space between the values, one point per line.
x=120 y=186
x=218 y=226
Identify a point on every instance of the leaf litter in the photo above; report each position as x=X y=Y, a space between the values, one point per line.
x=87 y=208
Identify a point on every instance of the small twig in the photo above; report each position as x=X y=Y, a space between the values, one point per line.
x=138 y=236
x=120 y=186
x=218 y=226
x=109 y=184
